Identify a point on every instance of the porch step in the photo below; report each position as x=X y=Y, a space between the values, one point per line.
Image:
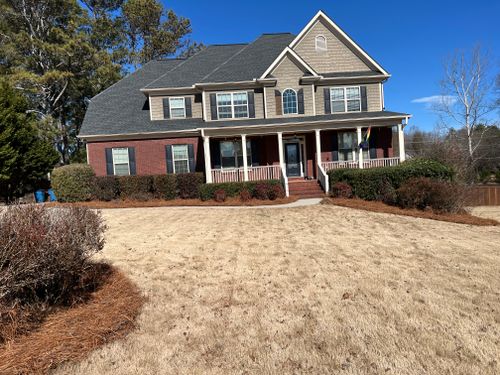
x=305 y=188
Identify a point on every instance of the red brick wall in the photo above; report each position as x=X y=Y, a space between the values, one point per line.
x=150 y=155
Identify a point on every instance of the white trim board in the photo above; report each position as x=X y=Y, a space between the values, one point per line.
x=281 y=56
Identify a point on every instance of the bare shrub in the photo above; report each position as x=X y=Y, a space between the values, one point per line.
x=342 y=190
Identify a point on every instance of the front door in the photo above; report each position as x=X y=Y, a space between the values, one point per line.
x=292 y=159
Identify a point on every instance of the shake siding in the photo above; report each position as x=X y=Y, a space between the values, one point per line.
x=288 y=75
x=337 y=58
x=372 y=94
x=156 y=105
x=259 y=102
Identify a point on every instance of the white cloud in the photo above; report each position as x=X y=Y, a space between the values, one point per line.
x=430 y=101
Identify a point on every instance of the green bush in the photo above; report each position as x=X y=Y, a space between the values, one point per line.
x=106 y=188
x=73 y=183
x=136 y=187
x=188 y=185
x=165 y=186
x=233 y=189
x=367 y=183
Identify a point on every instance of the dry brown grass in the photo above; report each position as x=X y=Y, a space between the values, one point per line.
x=376 y=206
x=309 y=290
x=71 y=334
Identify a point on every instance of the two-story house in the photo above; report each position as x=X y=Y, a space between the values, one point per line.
x=285 y=106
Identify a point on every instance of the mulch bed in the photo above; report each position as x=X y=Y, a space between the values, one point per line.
x=176 y=203
x=375 y=206
x=70 y=334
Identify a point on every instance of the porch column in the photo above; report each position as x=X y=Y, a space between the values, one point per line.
x=208 y=162
x=318 y=148
x=401 y=139
x=280 y=149
x=360 y=150
x=245 y=162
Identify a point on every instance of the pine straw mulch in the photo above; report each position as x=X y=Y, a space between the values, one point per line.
x=233 y=201
x=70 y=334
x=375 y=206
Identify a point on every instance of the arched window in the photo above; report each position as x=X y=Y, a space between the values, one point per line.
x=289 y=102
x=320 y=43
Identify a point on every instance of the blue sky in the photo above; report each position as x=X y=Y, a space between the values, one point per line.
x=409 y=39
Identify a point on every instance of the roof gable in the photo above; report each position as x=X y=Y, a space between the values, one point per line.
x=288 y=53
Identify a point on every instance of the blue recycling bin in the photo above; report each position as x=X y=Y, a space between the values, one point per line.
x=52 y=196
x=40 y=196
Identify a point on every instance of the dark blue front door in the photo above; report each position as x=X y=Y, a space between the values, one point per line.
x=292 y=159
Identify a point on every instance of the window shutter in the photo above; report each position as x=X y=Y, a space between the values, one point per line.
x=328 y=103
x=364 y=101
x=131 y=160
x=170 y=164
x=255 y=152
x=300 y=101
x=213 y=106
x=215 y=153
x=373 y=144
x=279 y=103
x=335 y=152
x=166 y=108
x=109 y=161
x=251 y=104
x=189 y=110
x=192 y=165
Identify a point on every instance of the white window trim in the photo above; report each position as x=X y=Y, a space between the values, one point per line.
x=316 y=43
x=113 y=157
x=345 y=98
x=232 y=93
x=173 y=158
x=283 y=103
x=170 y=106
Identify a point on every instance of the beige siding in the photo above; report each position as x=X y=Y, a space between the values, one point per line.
x=337 y=58
x=258 y=97
x=288 y=75
x=156 y=106
x=372 y=96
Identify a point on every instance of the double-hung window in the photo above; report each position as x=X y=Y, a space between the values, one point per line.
x=231 y=154
x=232 y=105
x=121 y=162
x=346 y=99
x=347 y=142
x=177 y=108
x=180 y=158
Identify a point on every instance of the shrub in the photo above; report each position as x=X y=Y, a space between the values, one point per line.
x=73 y=183
x=366 y=183
x=342 y=190
x=106 y=188
x=188 y=185
x=423 y=192
x=245 y=195
x=220 y=195
x=44 y=252
x=136 y=187
x=165 y=186
x=386 y=193
x=261 y=191
x=233 y=189
x=275 y=192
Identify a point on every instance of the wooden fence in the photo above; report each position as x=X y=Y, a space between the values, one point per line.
x=484 y=195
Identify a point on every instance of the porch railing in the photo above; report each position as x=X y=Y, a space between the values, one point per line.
x=371 y=163
x=323 y=179
x=267 y=172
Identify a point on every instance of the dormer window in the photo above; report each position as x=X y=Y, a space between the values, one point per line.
x=320 y=43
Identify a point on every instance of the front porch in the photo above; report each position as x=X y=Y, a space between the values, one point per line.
x=306 y=155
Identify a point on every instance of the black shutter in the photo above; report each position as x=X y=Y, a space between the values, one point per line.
x=279 y=102
x=170 y=164
x=364 y=101
x=251 y=104
x=373 y=144
x=215 y=153
x=335 y=152
x=166 y=108
x=328 y=104
x=255 y=152
x=131 y=160
x=300 y=101
x=213 y=106
x=109 y=161
x=189 y=111
x=192 y=165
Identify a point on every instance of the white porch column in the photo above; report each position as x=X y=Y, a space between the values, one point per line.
x=360 y=150
x=208 y=162
x=245 y=162
x=318 y=147
x=401 y=139
x=280 y=149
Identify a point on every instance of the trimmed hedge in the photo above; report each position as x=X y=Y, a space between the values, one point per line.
x=234 y=189
x=106 y=188
x=73 y=183
x=165 y=186
x=370 y=184
x=136 y=187
x=188 y=185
